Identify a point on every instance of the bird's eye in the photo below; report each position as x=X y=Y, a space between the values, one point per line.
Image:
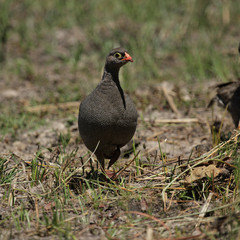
x=118 y=55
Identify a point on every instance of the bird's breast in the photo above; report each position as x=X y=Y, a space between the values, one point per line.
x=105 y=107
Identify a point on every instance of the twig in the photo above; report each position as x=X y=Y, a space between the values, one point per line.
x=156 y=134
x=37 y=212
x=52 y=107
x=179 y=120
x=204 y=209
x=170 y=101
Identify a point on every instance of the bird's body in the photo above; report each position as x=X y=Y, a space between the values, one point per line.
x=228 y=96
x=108 y=117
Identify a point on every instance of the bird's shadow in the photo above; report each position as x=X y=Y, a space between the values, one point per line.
x=92 y=179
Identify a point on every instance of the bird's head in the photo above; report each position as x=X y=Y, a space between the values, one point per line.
x=117 y=58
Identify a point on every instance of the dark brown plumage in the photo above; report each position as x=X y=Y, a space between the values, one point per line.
x=228 y=96
x=108 y=117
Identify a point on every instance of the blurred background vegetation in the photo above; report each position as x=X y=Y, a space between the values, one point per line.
x=56 y=49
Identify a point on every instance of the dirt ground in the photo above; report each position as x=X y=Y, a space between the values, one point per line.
x=166 y=117
x=170 y=132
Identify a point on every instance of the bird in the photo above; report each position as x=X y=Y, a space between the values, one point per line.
x=228 y=96
x=107 y=117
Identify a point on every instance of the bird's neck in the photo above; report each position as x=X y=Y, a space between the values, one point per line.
x=112 y=75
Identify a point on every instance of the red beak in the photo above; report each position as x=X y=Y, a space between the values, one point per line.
x=127 y=57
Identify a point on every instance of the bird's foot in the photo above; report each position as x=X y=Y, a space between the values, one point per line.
x=110 y=174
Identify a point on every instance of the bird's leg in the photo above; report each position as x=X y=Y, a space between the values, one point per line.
x=91 y=165
x=108 y=173
x=114 y=157
x=101 y=161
